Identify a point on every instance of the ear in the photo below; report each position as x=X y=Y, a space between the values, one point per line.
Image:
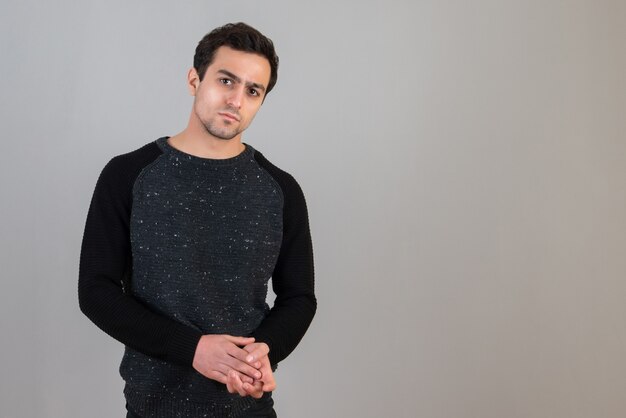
x=193 y=81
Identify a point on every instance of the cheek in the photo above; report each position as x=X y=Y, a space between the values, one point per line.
x=253 y=111
x=205 y=102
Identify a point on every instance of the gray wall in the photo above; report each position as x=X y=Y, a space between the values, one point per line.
x=464 y=165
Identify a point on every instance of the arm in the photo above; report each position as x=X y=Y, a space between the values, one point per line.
x=105 y=266
x=293 y=282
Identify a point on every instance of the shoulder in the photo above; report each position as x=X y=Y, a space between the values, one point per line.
x=295 y=209
x=118 y=176
x=286 y=181
x=137 y=158
x=126 y=167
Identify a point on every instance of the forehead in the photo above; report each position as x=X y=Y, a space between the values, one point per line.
x=249 y=67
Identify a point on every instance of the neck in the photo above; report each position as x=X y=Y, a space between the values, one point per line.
x=204 y=145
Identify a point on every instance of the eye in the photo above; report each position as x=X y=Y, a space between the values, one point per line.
x=226 y=81
x=253 y=92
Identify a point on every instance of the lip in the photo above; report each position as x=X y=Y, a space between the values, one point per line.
x=228 y=115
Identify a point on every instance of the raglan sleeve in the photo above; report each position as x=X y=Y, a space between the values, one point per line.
x=106 y=263
x=292 y=279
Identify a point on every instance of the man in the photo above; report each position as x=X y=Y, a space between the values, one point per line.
x=181 y=238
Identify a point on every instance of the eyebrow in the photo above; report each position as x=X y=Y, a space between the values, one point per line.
x=238 y=80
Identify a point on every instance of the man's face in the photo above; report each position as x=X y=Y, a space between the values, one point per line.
x=231 y=92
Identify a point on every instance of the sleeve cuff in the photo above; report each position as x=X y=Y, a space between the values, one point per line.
x=182 y=346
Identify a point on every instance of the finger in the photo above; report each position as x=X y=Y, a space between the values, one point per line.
x=238 y=353
x=234 y=362
x=244 y=378
x=241 y=341
x=229 y=384
x=241 y=367
x=256 y=390
x=260 y=350
x=237 y=383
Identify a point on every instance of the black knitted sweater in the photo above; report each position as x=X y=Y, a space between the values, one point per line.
x=177 y=246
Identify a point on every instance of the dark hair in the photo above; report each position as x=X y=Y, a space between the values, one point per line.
x=240 y=37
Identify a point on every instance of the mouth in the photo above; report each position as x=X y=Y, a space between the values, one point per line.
x=229 y=116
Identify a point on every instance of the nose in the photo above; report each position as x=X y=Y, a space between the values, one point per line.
x=235 y=97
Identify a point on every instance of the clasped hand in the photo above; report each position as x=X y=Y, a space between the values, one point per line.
x=238 y=362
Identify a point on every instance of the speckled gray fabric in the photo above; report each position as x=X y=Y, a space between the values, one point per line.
x=177 y=246
x=205 y=235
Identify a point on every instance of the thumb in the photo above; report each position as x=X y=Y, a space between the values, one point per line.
x=269 y=386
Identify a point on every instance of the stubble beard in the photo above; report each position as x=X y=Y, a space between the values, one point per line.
x=220 y=133
x=228 y=131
